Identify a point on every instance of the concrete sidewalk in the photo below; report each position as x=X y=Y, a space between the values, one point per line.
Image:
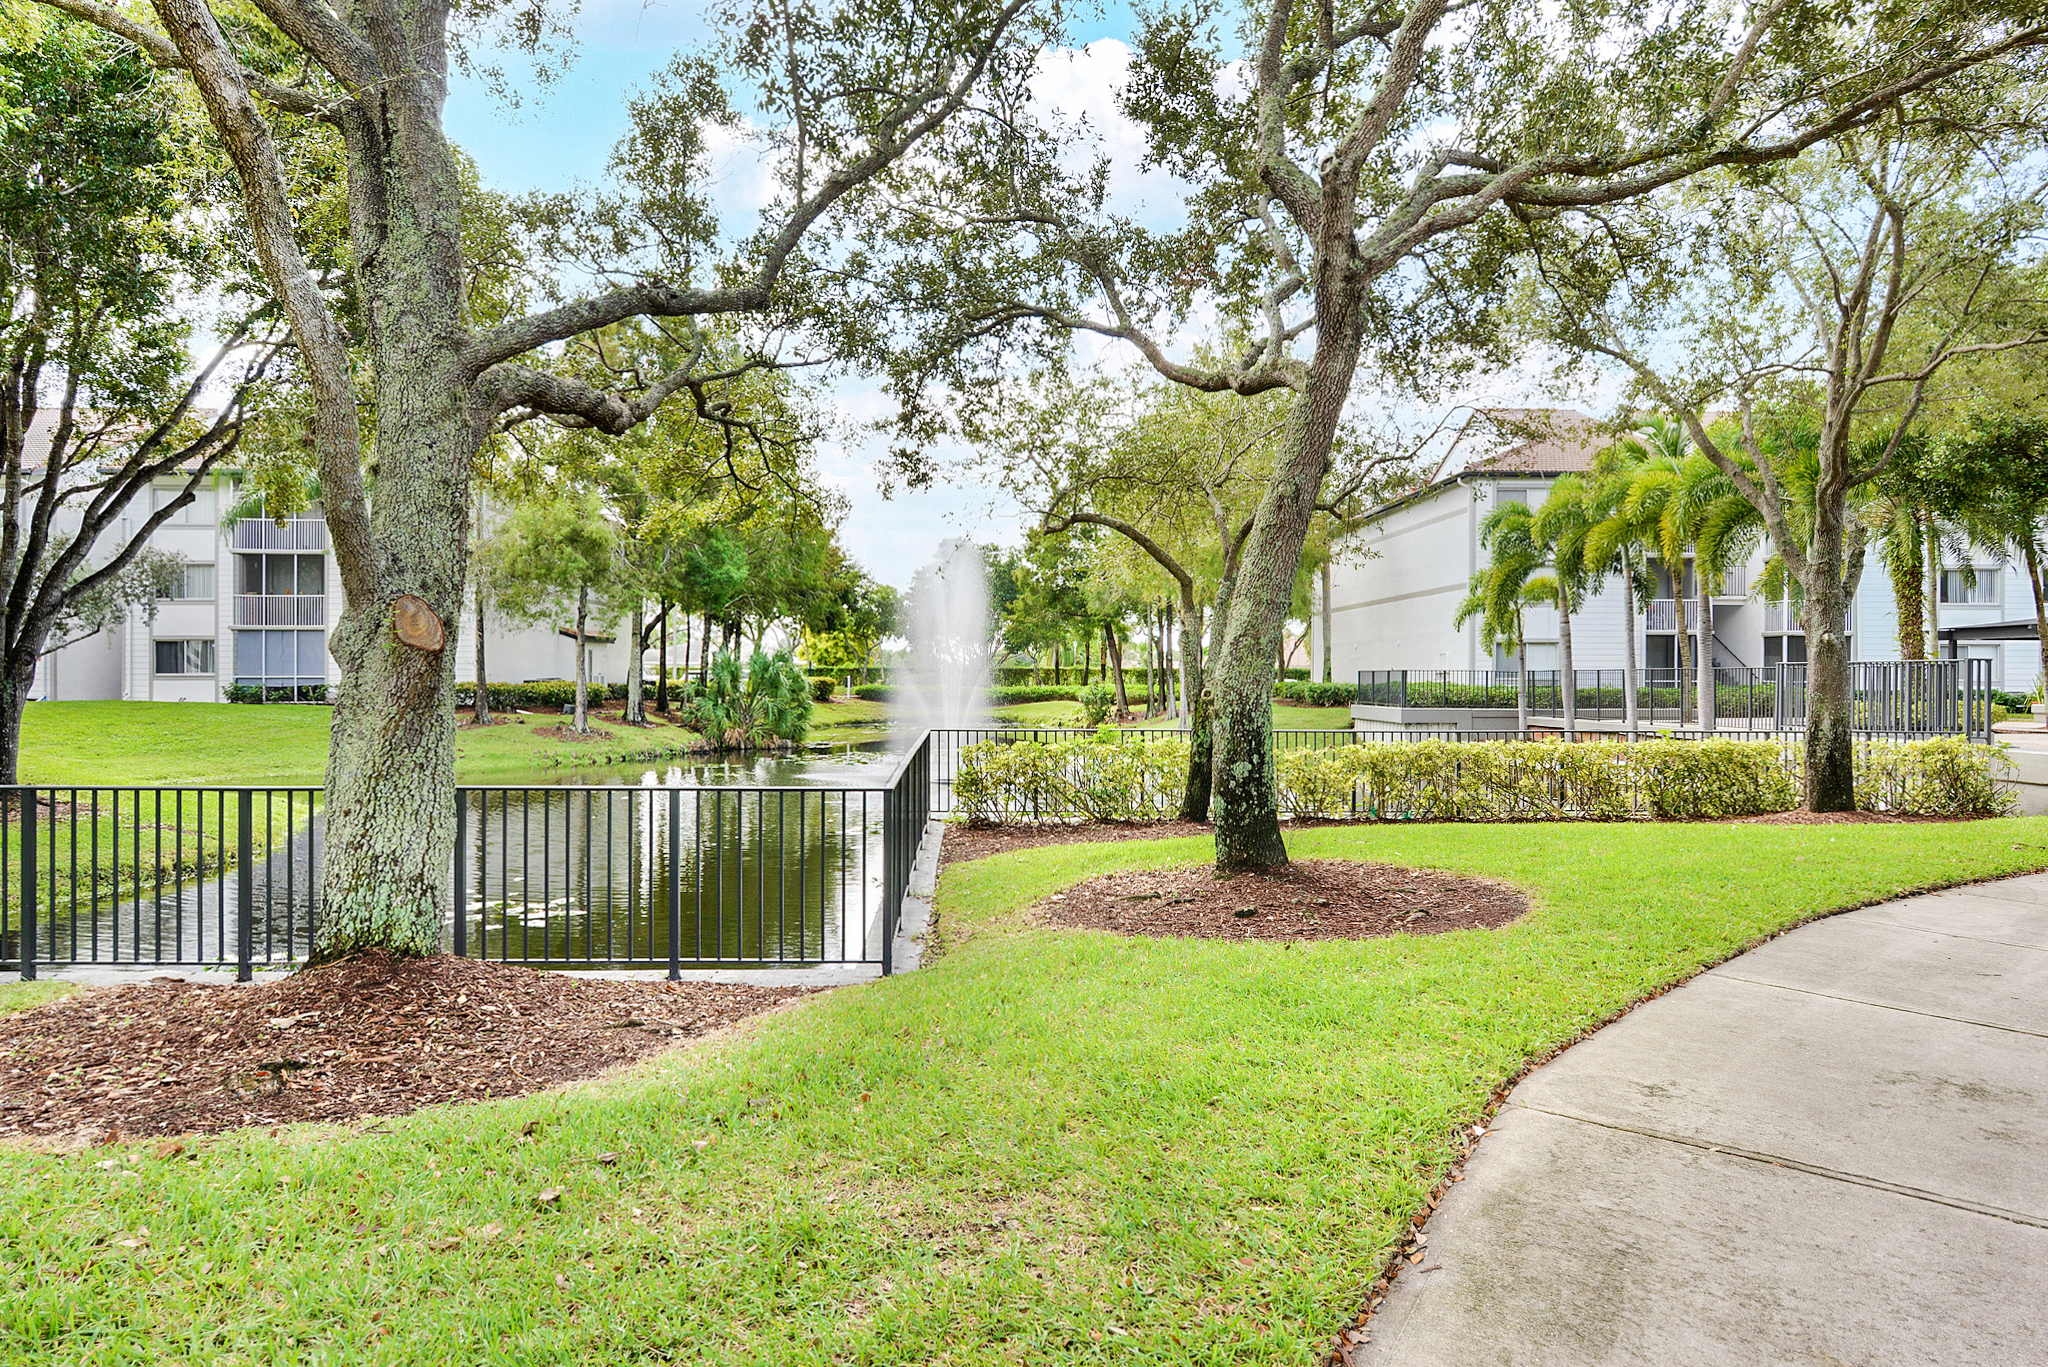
x=1831 y=1150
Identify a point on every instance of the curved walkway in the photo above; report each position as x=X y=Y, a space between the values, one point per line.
x=1831 y=1150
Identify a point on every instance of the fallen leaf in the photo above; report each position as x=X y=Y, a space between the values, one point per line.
x=607 y=1158
x=549 y=1194
x=562 y=1280
x=485 y=1233
x=170 y=1148
x=443 y=1245
x=131 y=1243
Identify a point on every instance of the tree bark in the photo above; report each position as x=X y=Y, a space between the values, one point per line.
x=1909 y=585
x=1632 y=709
x=1708 y=698
x=661 y=681
x=704 y=654
x=1194 y=692
x=1686 y=677
x=483 y=688
x=15 y=686
x=1521 y=682
x=582 y=662
x=1247 y=807
x=2031 y=548
x=1569 y=678
x=636 y=656
x=1830 y=739
x=1112 y=651
x=1329 y=653
x=1933 y=590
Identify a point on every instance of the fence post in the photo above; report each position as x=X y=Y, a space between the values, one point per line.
x=675 y=882
x=27 y=798
x=245 y=882
x=461 y=874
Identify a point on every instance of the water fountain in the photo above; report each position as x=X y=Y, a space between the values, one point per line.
x=944 y=680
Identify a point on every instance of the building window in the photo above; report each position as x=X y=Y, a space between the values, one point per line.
x=281 y=658
x=1784 y=650
x=198 y=512
x=184 y=657
x=284 y=575
x=191 y=582
x=1966 y=587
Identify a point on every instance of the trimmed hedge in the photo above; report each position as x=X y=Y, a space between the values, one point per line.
x=549 y=694
x=1108 y=777
x=823 y=686
x=1009 y=696
x=1317 y=694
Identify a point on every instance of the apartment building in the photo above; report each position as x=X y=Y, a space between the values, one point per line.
x=1396 y=582
x=253 y=605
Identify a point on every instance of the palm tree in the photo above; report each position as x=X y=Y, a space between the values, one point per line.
x=1562 y=528
x=1499 y=592
x=1616 y=544
x=1657 y=452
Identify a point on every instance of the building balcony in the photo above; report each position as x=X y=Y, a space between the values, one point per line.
x=1661 y=616
x=280 y=610
x=262 y=534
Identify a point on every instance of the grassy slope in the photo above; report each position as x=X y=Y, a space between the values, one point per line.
x=1047 y=1147
x=207 y=743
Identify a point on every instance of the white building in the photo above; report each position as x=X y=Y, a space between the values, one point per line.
x=1396 y=582
x=253 y=606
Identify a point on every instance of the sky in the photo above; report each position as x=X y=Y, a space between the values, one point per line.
x=561 y=134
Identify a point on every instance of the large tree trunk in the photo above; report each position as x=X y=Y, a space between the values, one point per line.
x=389 y=843
x=661 y=681
x=1521 y=683
x=1632 y=709
x=1830 y=720
x=582 y=661
x=15 y=686
x=704 y=655
x=636 y=656
x=1247 y=806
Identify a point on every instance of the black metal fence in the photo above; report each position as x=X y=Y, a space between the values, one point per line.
x=564 y=876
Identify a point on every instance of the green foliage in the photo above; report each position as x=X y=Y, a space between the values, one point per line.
x=770 y=705
x=1320 y=694
x=1481 y=781
x=823 y=686
x=1103 y=777
x=1096 y=699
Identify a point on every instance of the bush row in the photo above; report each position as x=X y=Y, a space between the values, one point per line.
x=1111 y=778
x=1005 y=696
x=1316 y=694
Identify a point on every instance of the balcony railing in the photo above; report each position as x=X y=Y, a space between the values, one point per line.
x=280 y=610
x=1662 y=615
x=262 y=534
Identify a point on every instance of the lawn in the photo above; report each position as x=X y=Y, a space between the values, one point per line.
x=225 y=743
x=1047 y=1147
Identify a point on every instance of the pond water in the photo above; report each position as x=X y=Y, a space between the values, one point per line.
x=842 y=762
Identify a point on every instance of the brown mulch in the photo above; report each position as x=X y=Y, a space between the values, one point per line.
x=371 y=1036
x=1316 y=899
x=965 y=842
x=572 y=734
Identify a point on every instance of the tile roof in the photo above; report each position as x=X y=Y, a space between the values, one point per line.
x=1541 y=441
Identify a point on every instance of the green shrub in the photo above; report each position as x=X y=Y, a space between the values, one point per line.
x=1932 y=778
x=1435 y=780
x=1103 y=777
x=771 y=703
x=1317 y=694
x=1096 y=700
x=823 y=686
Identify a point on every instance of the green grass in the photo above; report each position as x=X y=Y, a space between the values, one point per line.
x=20 y=996
x=225 y=743
x=1049 y=1147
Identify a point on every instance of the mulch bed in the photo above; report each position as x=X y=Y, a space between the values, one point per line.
x=965 y=842
x=371 y=1036
x=1799 y=816
x=1316 y=899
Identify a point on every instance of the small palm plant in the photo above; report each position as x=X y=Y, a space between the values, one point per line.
x=769 y=705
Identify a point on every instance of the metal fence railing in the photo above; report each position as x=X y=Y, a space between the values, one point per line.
x=1458 y=688
x=1895 y=697
x=558 y=876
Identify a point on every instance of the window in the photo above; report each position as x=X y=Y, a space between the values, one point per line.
x=281 y=657
x=1520 y=496
x=284 y=575
x=191 y=582
x=199 y=510
x=184 y=657
x=1969 y=586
